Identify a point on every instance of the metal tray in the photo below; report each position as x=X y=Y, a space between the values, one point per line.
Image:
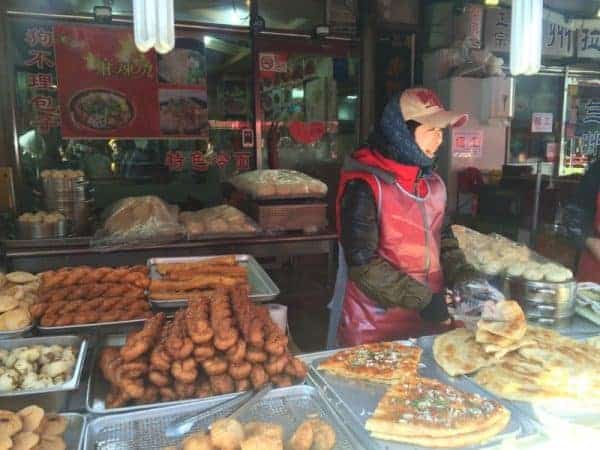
x=98 y=387
x=16 y=333
x=358 y=400
x=262 y=288
x=75 y=430
x=52 y=398
x=103 y=327
x=144 y=430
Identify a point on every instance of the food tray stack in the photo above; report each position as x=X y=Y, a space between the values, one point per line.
x=288 y=407
x=69 y=196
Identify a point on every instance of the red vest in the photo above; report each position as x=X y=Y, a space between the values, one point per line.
x=589 y=266
x=409 y=239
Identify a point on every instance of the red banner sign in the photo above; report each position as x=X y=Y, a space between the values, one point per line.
x=108 y=89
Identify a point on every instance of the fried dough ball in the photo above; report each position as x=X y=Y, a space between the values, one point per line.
x=197 y=441
x=324 y=435
x=303 y=437
x=262 y=443
x=32 y=417
x=263 y=429
x=222 y=384
x=227 y=434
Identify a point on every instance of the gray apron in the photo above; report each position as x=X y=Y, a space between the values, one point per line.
x=337 y=301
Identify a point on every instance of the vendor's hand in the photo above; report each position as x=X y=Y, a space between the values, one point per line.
x=437 y=309
x=593 y=245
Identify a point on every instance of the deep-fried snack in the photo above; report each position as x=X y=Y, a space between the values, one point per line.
x=135 y=368
x=240 y=370
x=184 y=371
x=255 y=355
x=181 y=295
x=168 y=394
x=261 y=443
x=222 y=384
x=199 y=282
x=87 y=275
x=139 y=343
x=204 y=389
x=263 y=429
x=184 y=390
x=258 y=376
x=204 y=352
x=32 y=417
x=276 y=344
x=160 y=359
x=282 y=380
x=303 y=437
x=54 y=425
x=296 y=368
x=324 y=435
x=159 y=379
x=225 y=338
x=215 y=366
x=48 y=442
x=243 y=385
x=10 y=423
x=197 y=441
x=230 y=271
x=228 y=260
x=237 y=353
x=226 y=434
x=276 y=364
x=86 y=292
x=25 y=440
x=66 y=319
x=133 y=387
x=150 y=395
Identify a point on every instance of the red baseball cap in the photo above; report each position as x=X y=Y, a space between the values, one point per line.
x=424 y=106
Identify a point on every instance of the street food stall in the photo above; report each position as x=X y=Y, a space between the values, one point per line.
x=136 y=307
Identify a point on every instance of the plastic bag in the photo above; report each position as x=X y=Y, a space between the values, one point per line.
x=265 y=184
x=470 y=300
x=135 y=220
x=220 y=220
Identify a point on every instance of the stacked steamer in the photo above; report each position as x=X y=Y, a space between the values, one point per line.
x=415 y=409
x=545 y=290
x=221 y=343
x=522 y=362
x=65 y=191
x=87 y=295
x=283 y=200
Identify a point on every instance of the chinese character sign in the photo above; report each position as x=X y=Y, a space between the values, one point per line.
x=588 y=39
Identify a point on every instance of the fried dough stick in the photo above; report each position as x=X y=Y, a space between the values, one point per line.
x=199 y=282
x=228 y=260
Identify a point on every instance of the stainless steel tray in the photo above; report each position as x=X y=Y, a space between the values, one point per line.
x=52 y=398
x=262 y=288
x=357 y=400
x=75 y=430
x=16 y=333
x=102 y=327
x=98 y=387
x=144 y=430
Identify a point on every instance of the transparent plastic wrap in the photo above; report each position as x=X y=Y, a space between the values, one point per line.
x=278 y=184
x=136 y=220
x=473 y=300
x=495 y=255
x=223 y=220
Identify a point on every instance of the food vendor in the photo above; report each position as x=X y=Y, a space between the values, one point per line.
x=396 y=254
x=582 y=220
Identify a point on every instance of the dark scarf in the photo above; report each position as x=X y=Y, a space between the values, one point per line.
x=392 y=138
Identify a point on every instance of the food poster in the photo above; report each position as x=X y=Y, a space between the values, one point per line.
x=108 y=89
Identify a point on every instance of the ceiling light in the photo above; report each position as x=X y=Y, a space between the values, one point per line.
x=526 y=37
x=598 y=13
x=154 y=25
x=491 y=2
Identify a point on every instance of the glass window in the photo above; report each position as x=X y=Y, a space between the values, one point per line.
x=296 y=15
x=534 y=95
x=183 y=171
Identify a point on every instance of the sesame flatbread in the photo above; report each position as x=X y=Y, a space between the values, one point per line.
x=458 y=353
x=384 y=362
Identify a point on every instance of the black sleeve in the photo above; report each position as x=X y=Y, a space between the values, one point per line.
x=454 y=264
x=359 y=236
x=580 y=210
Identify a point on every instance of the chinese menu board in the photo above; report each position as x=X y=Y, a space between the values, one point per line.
x=107 y=88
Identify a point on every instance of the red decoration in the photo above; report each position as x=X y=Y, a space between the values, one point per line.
x=242 y=160
x=222 y=159
x=199 y=162
x=307 y=132
x=174 y=160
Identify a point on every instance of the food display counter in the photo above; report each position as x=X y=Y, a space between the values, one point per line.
x=194 y=368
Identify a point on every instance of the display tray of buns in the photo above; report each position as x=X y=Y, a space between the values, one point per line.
x=32 y=427
x=220 y=344
x=18 y=291
x=278 y=184
x=82 y=297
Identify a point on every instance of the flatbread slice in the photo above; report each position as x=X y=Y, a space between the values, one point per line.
x=513 y=330
x=423 y=408
x=458 y=440
x=485 y=337
x=457 y=352
x=500 y=352
x=383 y=362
